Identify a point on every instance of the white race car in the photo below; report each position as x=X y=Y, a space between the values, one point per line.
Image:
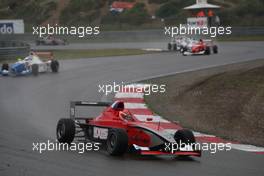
x=178 y=43
x=32 y=64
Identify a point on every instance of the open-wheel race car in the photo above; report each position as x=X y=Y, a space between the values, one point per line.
x=201 y=47
x=120 y=132
x=32 y=64
x=51 y=40
x=178 y=43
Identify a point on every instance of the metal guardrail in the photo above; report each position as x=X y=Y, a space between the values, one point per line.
x=13 y=49
x=248 y=30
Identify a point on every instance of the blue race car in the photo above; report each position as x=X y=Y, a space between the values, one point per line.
x=32 y=64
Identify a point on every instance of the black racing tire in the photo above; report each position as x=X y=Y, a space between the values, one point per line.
x=5 y=66
x=65 y=130
x=65 y=42
x=184 y=136
x=215 y=49
x=183 y=49
x=174 y=47
x=89 y=133
x=54 y=65
x=207 y=51
x=54 y=42
x=169 y=46
x=35 y=69
x=117 y=142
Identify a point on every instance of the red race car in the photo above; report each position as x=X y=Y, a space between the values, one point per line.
x=201 y=47
x=121 y=132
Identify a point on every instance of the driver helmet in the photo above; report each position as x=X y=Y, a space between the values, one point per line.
x=126 y=115
x=31 y=53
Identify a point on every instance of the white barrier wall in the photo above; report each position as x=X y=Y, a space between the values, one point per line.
x=12 y=27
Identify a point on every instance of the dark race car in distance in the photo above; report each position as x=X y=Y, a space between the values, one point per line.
x=51 y=40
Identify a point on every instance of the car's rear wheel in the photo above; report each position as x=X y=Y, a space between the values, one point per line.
x=207 y=51
x=54 y=66
x=174 y=47
x=65 y=130
x=117 y=142
x=35 y=69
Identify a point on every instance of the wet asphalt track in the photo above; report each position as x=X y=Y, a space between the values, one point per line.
x=31 y=106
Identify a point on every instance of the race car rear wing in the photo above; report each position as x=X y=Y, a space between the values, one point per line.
x=73 y=105
x=44 y=54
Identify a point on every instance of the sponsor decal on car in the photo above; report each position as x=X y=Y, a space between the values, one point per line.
x=100 y=133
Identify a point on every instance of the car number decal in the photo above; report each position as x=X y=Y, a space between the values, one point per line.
x=100 y=133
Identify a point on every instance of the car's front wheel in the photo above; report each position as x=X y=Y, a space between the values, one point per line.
x=215 y=49
x=117 y=142
x=184 y=137
x=5 y=66
x=169 y=46
x=54 y=66
x=35 y=69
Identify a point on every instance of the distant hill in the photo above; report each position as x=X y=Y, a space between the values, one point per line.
x=77 y=12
